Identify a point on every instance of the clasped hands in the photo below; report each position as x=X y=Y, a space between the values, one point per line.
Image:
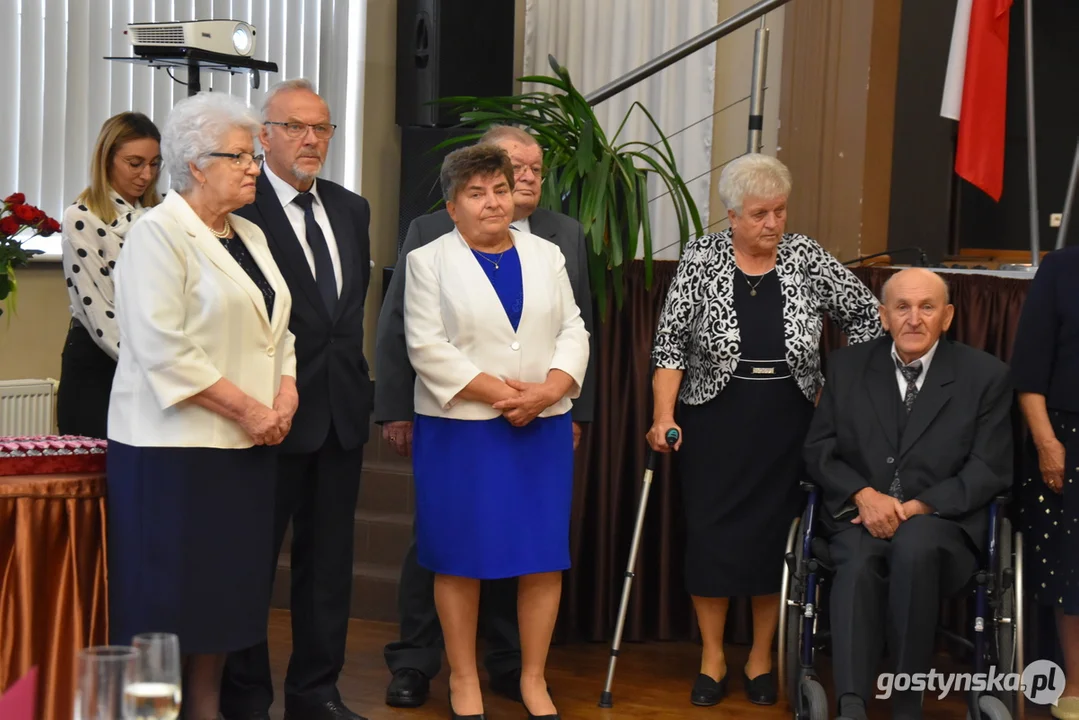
x=882 y=514
x=525 y=401
x=270 y=425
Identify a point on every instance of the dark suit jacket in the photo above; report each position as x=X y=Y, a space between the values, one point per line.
x=332 y=373
x=396 y=379
x=955 y=453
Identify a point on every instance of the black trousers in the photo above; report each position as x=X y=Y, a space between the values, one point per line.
x=86 y=372
x=895 y=587
x=317 y=492
x=421 y=643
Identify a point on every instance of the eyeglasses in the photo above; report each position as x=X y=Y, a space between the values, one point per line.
x=537 y=170
x=243 y=159
x=137 y=164
x=322 y=131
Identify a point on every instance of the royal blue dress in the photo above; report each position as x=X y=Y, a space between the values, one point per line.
x=493 y=500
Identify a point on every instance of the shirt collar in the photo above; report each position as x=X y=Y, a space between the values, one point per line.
x=285 y=192
x=121 y=203
x=925 y=360
x=523 y=225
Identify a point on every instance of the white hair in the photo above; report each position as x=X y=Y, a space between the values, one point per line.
x=289 y=86
x=196 y=126
x=753 y=175
x=496 y=133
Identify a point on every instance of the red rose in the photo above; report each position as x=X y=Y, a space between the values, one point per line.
x=39 y=216
x=25 y=213
x=50 y=227
x=15 y=199
x=9 y=226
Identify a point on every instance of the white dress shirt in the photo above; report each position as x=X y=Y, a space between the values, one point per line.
x=286 y=193
x=925 y=360
x=522 y=225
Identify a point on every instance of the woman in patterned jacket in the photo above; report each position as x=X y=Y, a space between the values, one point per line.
x=123 y=185
x=738 y=364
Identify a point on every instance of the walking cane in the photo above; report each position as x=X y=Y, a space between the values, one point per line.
x=623 y=606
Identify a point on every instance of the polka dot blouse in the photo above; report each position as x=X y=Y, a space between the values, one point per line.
x=90 y=248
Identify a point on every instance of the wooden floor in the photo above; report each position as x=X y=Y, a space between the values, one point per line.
x=653 y=681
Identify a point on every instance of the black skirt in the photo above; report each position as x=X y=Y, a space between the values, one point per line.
x=741 y=459
x=86 y=372
x=1050 y=521
x=190 y=544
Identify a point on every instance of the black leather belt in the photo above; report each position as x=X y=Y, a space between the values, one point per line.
x=762 y=370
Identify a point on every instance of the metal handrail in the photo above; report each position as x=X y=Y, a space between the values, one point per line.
x=687 y=48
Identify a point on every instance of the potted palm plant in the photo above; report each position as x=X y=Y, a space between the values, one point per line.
x=597 y=178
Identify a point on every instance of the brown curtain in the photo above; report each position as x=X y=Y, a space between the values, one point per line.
x=52 y=581
x=611 y=462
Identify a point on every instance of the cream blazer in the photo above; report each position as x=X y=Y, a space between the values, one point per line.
x=189 y=315
x=455 y=327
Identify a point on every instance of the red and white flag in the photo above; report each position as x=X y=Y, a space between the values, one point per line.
x=976 y=91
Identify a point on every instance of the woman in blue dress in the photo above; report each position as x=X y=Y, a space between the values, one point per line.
x=500 y=352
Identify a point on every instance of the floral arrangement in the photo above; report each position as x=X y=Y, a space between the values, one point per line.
x=15 y=217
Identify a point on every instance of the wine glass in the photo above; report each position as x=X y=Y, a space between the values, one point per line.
x=156 y=692
x=104 y=673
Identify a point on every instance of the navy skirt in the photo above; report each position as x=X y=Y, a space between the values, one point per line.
x=190 y=544
x=493 y=500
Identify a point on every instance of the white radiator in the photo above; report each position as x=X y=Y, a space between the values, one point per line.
x=27 y=407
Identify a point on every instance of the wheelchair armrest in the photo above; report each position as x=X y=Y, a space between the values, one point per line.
x=807 y=486
x=1003 y=499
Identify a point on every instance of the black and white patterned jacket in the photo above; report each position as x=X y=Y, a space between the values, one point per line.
x=698 y=329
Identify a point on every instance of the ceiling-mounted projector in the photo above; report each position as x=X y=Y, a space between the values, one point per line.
x=223 y=37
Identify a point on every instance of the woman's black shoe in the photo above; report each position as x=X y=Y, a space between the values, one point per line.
x=455 y=716
x=555 y=716
x=707 y=692
x=761 y=690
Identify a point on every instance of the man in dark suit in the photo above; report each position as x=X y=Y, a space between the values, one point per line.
x=417 y=657
x=317 y=231
x=910 y=443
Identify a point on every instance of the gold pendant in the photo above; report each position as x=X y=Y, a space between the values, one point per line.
x=753 y=293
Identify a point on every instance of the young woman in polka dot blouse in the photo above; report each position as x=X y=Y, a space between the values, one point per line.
x=123 y=185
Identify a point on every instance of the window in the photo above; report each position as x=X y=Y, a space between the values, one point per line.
x=57 y=89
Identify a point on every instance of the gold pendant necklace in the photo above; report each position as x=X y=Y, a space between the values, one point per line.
x=752 y=287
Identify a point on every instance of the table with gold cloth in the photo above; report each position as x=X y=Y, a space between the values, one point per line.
x=53 y=593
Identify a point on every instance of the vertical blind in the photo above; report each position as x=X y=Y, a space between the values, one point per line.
x=56 y=89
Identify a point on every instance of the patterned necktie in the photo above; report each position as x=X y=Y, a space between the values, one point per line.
x=910 y=374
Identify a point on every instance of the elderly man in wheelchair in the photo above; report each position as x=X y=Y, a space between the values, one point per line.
x=910 y=445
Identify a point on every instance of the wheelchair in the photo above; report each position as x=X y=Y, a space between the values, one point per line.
x=997 y=623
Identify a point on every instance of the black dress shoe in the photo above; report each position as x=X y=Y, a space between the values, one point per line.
x=707 y=692
x=408 y=689
x=330 y=710
x=508 y=685
x=555 y=716
x=760 y=690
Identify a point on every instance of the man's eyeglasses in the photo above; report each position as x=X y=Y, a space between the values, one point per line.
x=243 y=159
x=519 y=170
x=297 y=129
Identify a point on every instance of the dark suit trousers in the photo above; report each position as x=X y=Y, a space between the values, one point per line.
x=420 y=647
x=895 y=587
x=317 y=492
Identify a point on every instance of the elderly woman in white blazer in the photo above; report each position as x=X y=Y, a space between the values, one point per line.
x=500 y=351
x=204 y=388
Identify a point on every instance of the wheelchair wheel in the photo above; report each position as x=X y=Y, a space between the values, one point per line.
x=1008 y=657
x=790 y=617
x=1017 y=622
x=991 y=708
x=814 y=705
